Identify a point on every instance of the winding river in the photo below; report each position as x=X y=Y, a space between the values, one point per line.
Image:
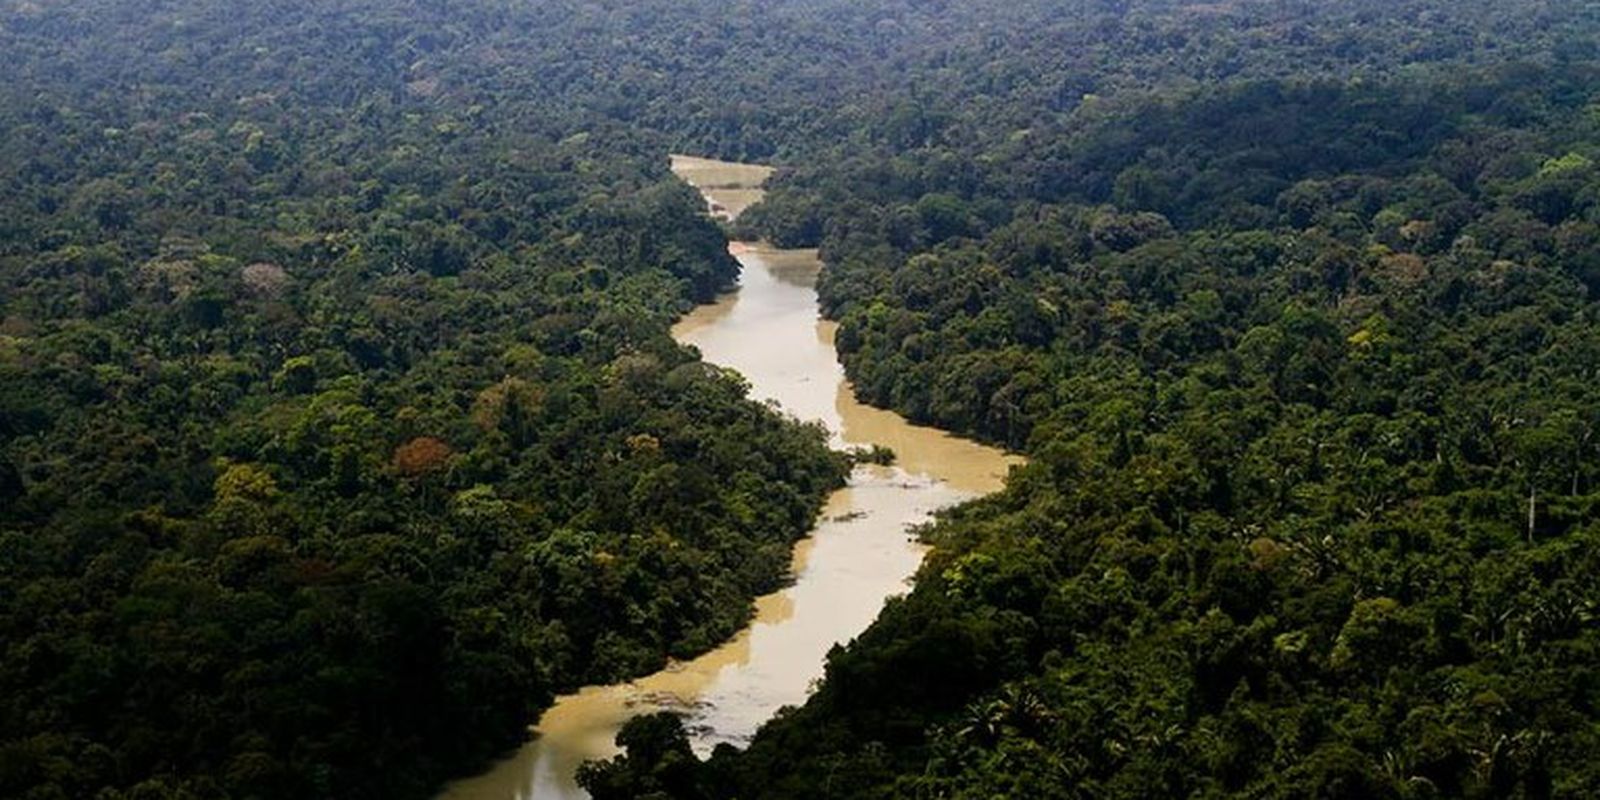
x=860 y=553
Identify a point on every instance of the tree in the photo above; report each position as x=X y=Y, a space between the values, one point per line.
x=421 y=456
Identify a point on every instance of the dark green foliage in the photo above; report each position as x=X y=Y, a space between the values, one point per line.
x=339 y=428
x=658 y=763
x=1305 y=367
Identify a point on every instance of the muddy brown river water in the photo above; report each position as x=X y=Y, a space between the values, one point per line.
x=860 y=553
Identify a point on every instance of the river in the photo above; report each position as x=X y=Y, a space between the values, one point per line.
x=860 y=553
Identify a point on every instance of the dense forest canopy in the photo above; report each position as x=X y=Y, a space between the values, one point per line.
x=339 y=427
x=1305 y=356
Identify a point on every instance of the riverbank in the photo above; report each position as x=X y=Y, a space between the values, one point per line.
x=860 y=553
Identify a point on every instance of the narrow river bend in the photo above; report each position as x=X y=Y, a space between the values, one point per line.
x=860 y=553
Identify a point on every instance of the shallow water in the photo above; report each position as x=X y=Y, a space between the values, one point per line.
x=860 y=553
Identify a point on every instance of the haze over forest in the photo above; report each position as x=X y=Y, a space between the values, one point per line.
x=342 y=430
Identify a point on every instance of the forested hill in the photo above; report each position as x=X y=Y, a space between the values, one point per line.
x=339 y=426
x=339 y=423
x=1305 y=361
x=1307 y=374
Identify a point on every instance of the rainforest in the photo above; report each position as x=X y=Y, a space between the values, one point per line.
x=342 y=427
